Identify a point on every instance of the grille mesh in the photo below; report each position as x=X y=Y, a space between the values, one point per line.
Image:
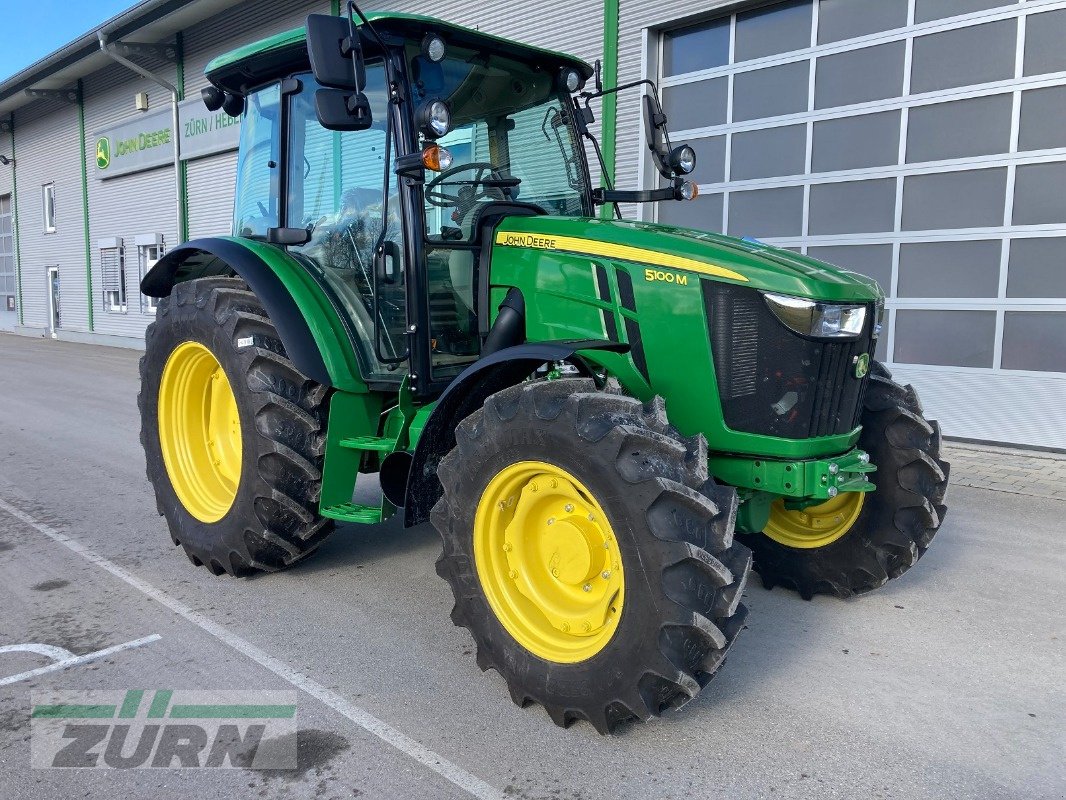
x=774 y=381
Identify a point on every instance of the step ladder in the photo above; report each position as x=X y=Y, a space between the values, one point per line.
x=357 y=512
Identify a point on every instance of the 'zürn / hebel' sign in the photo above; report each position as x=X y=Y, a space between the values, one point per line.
x=146 y=141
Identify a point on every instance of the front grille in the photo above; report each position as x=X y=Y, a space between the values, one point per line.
x=774 y=381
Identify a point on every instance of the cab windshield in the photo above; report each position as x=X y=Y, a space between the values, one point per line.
x=512 y=139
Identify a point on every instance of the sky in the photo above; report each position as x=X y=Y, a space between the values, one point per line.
x=34 y=28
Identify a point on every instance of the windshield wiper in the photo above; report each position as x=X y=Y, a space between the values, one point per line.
x=554 y=118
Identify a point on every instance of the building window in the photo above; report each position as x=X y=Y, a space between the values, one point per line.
x=112 y=275
x=149 y=251
x=49 y=196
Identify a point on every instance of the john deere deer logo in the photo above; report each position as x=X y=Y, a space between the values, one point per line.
x=862 y=365
x=103 y=153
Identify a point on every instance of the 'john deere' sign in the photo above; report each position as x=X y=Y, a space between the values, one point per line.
x=146 y=141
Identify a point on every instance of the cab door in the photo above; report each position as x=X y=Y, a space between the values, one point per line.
x=335 y=191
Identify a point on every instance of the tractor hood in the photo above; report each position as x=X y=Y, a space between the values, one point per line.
x=712 y=255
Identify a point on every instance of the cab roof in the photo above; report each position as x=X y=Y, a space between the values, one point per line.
x=250 y=65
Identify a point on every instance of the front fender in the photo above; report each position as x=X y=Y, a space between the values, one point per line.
x=311 y=329
x=463 y=397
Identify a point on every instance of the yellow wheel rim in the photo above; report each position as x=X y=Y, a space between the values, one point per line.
x=814 y=526
x=199 y=431
x=548 y=562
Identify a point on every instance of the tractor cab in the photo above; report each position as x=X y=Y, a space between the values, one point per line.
x=386 y=178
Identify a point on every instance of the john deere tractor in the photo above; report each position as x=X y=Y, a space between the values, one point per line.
x=605 y=420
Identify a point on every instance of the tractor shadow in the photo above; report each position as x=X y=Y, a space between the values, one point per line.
x=356 y=546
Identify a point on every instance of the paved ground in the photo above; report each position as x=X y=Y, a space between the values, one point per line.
x=947 y=683
x=1031 y=473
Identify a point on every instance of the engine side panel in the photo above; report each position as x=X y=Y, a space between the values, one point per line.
x=659 y=310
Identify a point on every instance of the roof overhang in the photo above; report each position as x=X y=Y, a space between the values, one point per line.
x=148 y=21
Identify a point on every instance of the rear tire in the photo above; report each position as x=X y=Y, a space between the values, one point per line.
x=672 y=531
x=272 y=521
x=897 y=522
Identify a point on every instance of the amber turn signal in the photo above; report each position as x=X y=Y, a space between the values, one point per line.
x=436 y=158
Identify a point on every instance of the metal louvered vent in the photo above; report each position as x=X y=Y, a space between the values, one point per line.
x=773 y=381
x=740 y=327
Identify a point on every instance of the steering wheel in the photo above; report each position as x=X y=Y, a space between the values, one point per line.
x=481 y=186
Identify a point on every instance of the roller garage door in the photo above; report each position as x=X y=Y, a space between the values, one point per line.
x=921 y=142
x=210 y=183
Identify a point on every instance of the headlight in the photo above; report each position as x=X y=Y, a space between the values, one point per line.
x=434 y=118
x=683 y=159
x=821 y=320
x=433 y=47
x=570 y=79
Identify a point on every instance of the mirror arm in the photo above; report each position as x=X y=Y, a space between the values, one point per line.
x=622 y=88
x=603 y=196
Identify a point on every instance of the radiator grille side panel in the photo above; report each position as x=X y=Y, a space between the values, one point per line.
x=773 y=381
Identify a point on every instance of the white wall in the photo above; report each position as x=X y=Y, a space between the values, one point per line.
x=47 y=149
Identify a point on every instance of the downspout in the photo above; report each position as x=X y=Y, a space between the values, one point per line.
x=85 y=204
x=610 y=102
x=183 y=169
x=175 y=97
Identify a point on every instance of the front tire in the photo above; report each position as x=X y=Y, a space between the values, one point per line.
x=883 y=533
x=627 y=604
x=233 y=433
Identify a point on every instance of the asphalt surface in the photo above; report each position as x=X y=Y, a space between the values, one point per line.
x=947 y=683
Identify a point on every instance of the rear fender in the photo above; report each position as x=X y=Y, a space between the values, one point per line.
x=463 y=397
x=310 y=327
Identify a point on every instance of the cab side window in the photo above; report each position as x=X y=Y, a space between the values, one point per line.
x=255 y=209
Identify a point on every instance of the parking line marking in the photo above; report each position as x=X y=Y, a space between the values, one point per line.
x=50 y=650
x=76 y=660
x=453 y=773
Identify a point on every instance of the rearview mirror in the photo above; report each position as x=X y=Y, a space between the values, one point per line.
x=340 y=110
x=336 y=55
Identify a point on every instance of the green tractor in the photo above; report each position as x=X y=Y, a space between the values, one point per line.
x=421 y=285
